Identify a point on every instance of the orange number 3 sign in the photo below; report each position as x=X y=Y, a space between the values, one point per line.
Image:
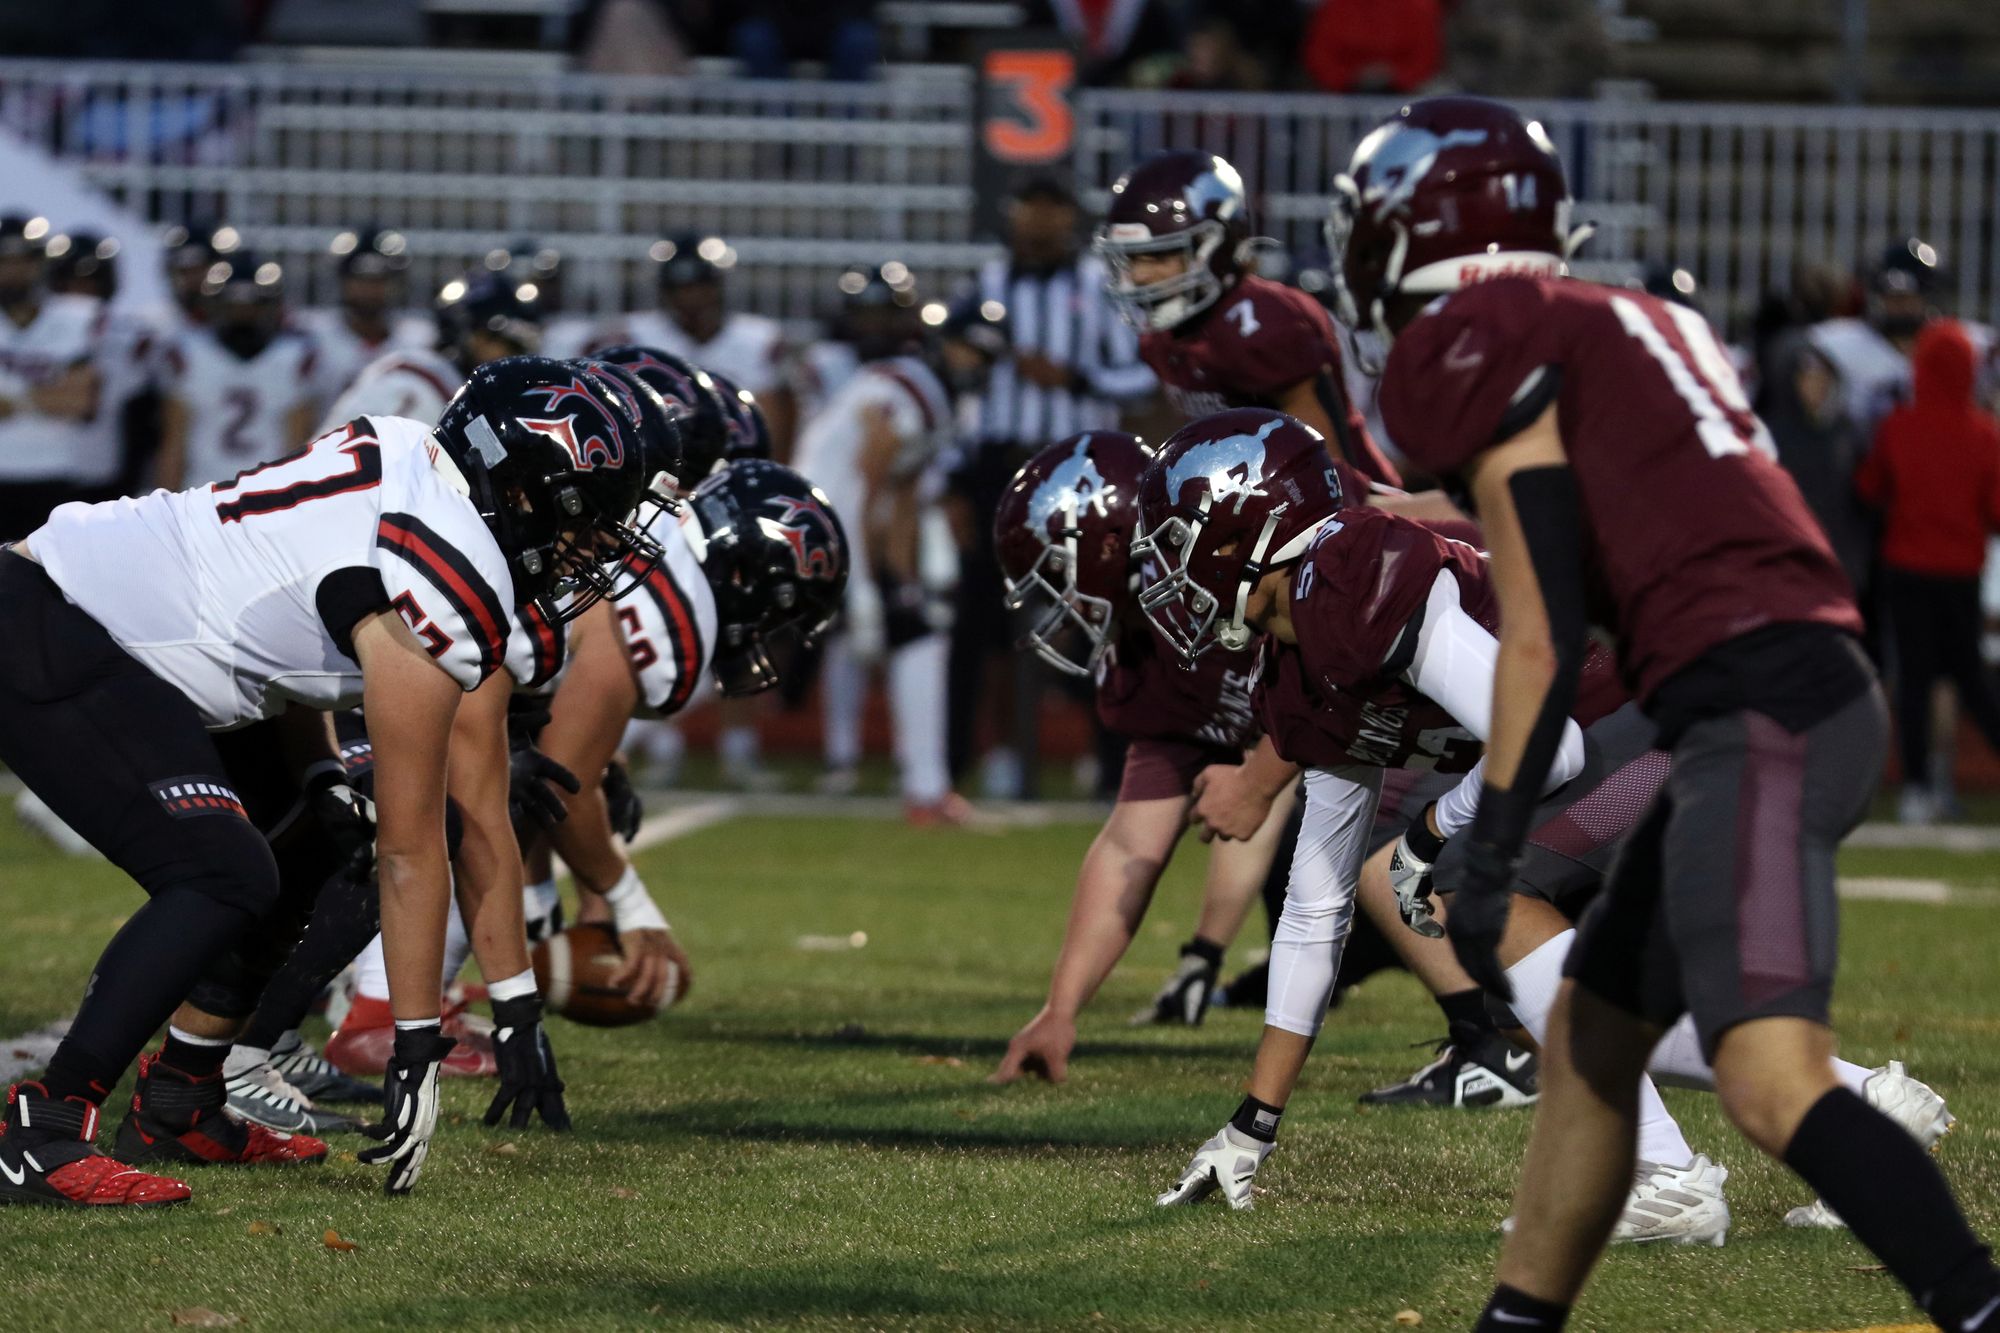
x=1029 y=119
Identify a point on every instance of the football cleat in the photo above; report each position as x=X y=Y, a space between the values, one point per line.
x=260 y=1094
x=1185 y=997
x=1473 y=1068
x=949 y=811
x=1680 y=1204
x=1908 y=1102
x=47 y=1156
x=317 y=1077
x=176 y=1117
x=367 y=1038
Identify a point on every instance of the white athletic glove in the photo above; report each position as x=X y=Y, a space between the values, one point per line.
x=1410 y=877
x=1227 y=1162
x=410 y=1100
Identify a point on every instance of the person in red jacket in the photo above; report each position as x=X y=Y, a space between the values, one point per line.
x=1935 y=475
x=1372 y=46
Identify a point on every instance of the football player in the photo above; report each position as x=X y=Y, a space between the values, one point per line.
x=1063 y=531
x=749 y=579
x=693 y=321
x=50 y=385
x=240 y=389
x=388 y=563
x=481 y=317
x=1177 y=242
x=367 y=322
x=1621 y=477
x=878 y=442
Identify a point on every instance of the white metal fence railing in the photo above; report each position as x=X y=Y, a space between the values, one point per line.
x=807 y=177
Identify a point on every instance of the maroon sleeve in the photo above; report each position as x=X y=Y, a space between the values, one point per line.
x=1359 y=587
x=1456 y=375
x=1262 y=340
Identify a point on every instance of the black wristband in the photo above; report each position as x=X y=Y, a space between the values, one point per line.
x=417 y=1046
x=1258 y=1119
x=1427 y=845
x=1207 y=950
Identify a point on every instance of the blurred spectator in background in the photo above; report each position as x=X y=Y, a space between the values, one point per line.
x=1074 y=363
x=1527 y=48
x=1111 y=36
x=631 y=37
x=769 y=35
x=1935 y=474
x=1815 y=294
x=1872 y=351
x=1374 y=46
x=1799 y=397
x=50 y=393
x=1216 y=60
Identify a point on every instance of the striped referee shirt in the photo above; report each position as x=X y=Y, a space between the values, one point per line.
x=1064 y=314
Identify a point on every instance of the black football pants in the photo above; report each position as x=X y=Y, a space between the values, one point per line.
x=1936 y=623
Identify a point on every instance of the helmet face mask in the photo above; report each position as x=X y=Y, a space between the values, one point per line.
x=1180 y=203
x=1167 y=302
x=1061 y=613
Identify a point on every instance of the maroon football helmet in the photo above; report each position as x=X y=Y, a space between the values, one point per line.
x=1064 y=532
x=1185 y=203
x=1447 y=192
x=1251 y=480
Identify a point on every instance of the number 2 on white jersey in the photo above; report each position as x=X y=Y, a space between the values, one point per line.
x=1702 y=377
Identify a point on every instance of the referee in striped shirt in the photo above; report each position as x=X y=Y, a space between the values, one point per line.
x=1075 y=363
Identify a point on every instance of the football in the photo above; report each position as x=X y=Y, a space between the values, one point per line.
x=574 y=969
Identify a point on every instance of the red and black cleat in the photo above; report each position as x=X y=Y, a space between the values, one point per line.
x=47 y=1156
x=178 y=1118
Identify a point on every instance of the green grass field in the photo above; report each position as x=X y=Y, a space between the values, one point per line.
x=808 y=1141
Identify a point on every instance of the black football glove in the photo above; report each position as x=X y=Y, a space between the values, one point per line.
x=528 y=1081
x=626 y=809
x=532 y=778
x=410 y=1105
x=346 y=817
x=1478 y=917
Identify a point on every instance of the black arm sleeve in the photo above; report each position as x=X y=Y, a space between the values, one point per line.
x=1545 y=501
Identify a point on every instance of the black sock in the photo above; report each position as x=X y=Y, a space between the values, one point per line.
x=199 y=1060
x=1207 y=950
x=71 y=1073
x=1895 y=1201
x=1258 y=1119
x=1511 y=1311
x=1467 y=1007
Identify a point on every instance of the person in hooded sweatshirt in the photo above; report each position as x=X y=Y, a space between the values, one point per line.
x=1935 y=476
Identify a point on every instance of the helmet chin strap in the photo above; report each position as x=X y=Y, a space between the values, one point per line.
x=1234 y=634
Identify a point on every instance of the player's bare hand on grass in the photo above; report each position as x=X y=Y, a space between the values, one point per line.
x=1228 y=804
x=1228 y=1162
x=656 y=969
x=1039 y=1050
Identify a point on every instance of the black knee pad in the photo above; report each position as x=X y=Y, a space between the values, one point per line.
x=225 y=858
x=232 y=986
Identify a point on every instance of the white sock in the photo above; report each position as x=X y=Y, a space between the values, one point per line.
x=843 y=689
x=1536 y=979
x=242 y=1059
x=457 y=944
x=193 y=1040
x=371 y=972
x=1677 y=1062
x=917 y=706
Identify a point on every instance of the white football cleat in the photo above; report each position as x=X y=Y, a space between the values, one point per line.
x=1910 y=1103
x=259 y=1093
x=1681 y=1204
x=1227 y=1162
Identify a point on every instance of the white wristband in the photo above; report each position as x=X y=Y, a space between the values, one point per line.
x=632 y=908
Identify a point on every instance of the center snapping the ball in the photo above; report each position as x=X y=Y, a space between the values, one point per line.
x=574 y=969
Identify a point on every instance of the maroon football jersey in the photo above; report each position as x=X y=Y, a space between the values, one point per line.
x=1337 y=696
x=1259 y=340
x=1143 y=692
x=1697 y=535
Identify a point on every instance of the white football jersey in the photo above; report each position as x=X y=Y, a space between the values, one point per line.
x=829 y=451
x=344 y=354
x=819 y=372
x=238 y=578
x=239 y=412
x=668 y=622
x=567 y=337
x=749 y=349
x=409 y=382
x=66 y=330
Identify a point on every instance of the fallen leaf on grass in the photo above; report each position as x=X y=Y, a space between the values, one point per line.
x=620 y=1192
x=263 y=1228
x=504 y=1150
x=333 y=1240
x=948 y=1061
x=1409 y=1318
x=1868 y=1268
x=200 y=1316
